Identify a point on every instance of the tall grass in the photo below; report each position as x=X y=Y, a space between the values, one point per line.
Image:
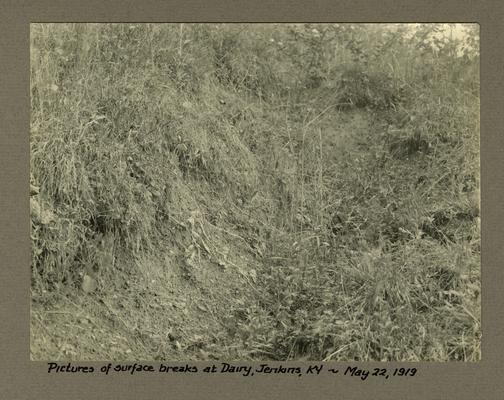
x=344 y=158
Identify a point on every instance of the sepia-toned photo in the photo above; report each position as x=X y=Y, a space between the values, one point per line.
x=255 y=192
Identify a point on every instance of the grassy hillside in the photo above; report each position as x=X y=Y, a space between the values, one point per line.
x=254 y=192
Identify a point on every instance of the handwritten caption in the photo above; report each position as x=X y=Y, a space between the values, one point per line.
x=244 y=370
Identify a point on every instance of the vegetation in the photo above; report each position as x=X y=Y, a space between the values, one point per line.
x=255 y=192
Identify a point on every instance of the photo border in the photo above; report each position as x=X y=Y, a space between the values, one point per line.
x=21 y=378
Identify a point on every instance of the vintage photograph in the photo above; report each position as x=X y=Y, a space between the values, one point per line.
x=255 y=192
